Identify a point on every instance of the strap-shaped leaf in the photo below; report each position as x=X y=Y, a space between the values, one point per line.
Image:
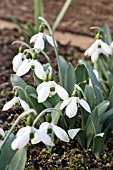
x=62 y=69
x=107 y=34
x=19 y=160
x=110 y=98
x=6 y=153
x=98 y=144
x=56 y=114
x=95 y=83
x=81 y=73
x=70 y=79
x=89 y=93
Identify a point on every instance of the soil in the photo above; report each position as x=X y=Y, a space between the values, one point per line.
x=80 y=16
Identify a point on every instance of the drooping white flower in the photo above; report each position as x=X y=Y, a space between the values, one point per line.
x=97 y=48
x=111 y=45
x=39 y=38
x=71 y=105
x=15 y=100
x=23 y=137
x=48 y=89
x=17 y=61
x=59 y=132
x=27 y=64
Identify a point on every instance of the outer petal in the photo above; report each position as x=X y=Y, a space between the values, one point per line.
x=106 y=47
x=39 y=71
x=111 y=45
x=65 y=103
x=85 y=105
x=24 y=105
x=92 y=49
x=2 y=132
x=60 y=133
x=50 y=40
x=24 y=68
x=39 y=43
x=20 y=141
x=94 y=57
x=71 y=109
x=61 y=92
x=24 y=130
x=43 y=93
x=34 y=38
x=17 y=61
x=9 y=104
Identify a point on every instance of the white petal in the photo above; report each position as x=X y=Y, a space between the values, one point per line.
x=43 y=93
x=24 y=105
x=34 y=38
x=50 y=40
x=20 y=141
x=17 y=61
x=39 y=43
x=92 y=49
x=2 y=132
x=9 y=104
x=85 y=105
x=24 y=68
x=44 y=125
x=39 y=71
x=61 y=92
x=65 y=103
x=24 y=130
x=106 y=47
x=60 y=133
x=71 y=109
x=73 y=132
x=94 y=57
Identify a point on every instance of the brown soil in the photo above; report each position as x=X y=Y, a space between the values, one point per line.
x=80 y=16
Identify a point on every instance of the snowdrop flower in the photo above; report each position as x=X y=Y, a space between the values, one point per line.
x=59 y=132
x=24 y=135
x=39 y=38
x=111 y=45
x=17 y=61
x=27 y=64
x=71 y=106
x=48 y=89
x=97 y=48
x=14 y=101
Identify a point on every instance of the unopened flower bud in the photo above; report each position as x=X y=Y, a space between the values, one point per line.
x=45 y=77
x=34 y=56
x=50 y=77
x=48 y=118
x=30 y=120
x=41 y=28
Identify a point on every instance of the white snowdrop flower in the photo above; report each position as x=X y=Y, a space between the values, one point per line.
x=59 y=132
x=111 y=45
x=17 y=61
x=48 y=89
x=27 y=64
x=71 y=105
x=39 y=38
x=99 y=47
x=25 y=134
x=15 y=100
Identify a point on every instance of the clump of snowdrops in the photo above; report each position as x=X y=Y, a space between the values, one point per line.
x=53 y=105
